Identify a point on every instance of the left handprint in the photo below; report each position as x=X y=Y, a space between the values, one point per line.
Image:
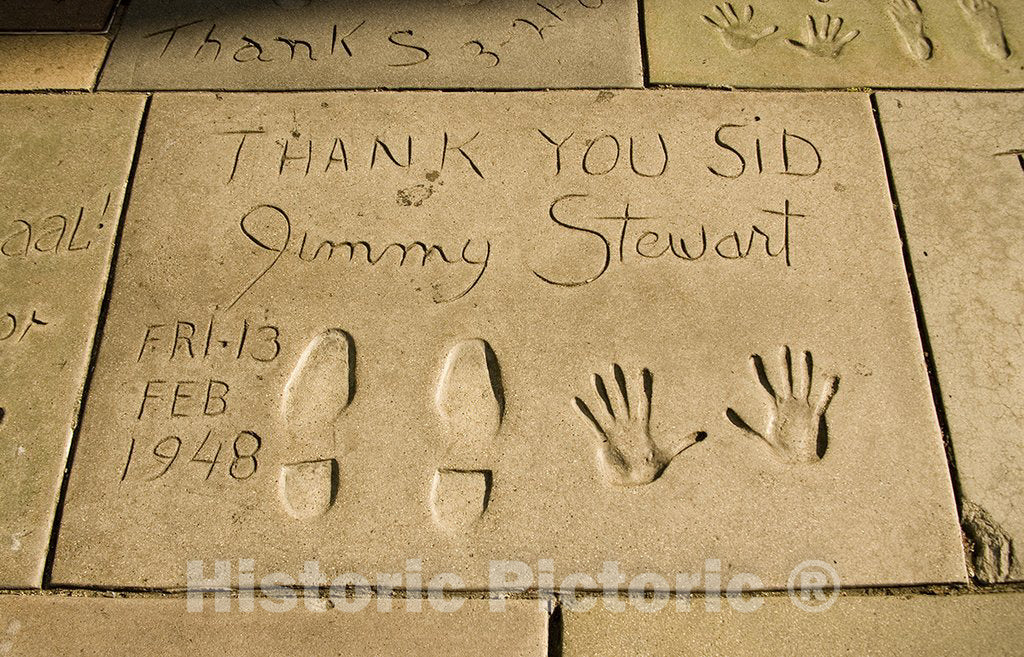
x=626 y=453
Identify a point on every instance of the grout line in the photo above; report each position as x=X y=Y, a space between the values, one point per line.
x=645 y=61
x=113 y=28
x=528 y=595
x=97 y=338
x=922 y=324
x=511 y=90
x=555 y=629
x=844 y=89
x=103 y=64
x=115 y=6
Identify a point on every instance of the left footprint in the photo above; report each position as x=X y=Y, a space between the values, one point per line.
x=320 y=388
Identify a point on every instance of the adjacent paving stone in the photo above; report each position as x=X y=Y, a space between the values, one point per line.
x=53 y=625
x=56 y=15
x=256 y=44
x=50 y=61
x=881 y=626
x=923 y=43
x=65 y=163
x=370 y=327
x=958 y=165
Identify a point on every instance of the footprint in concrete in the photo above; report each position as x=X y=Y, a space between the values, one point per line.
x=458 y=498
x=320 y=388
x=989 y=548
x=908 y=18
x=471 y=403
x=796 y=431
x=983 y=18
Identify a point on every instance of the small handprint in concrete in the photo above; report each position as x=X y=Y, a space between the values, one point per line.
x=737 y=30
x=621 y=421
x=821 y=38
x=908 y=18
x=796 y=431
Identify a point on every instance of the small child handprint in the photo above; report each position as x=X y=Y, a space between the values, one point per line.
x=626 y=453
x=796 y=430
x=737 y=30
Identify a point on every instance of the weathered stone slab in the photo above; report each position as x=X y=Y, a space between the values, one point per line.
x=882 y=626
x=958 y=166
x=264 y=44
x=54 y=625
x=65 y=165
x=56 y=15
x=922 y=43
x=50 y=61
x=364 y=328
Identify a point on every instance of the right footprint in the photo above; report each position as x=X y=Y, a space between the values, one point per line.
x=908 y=18
x=983 y=17
x=471 y=403
x=796 y=431
x=319 y=389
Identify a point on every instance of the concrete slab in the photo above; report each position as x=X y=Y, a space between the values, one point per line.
x=65 y=166
x=256 y=44
x=364 y=328
x=808 y=44
x=881 y=626
x=958 y=166
x=49 y=625
x=56 y=15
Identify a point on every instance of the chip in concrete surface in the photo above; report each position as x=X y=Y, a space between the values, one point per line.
x=65 y=165
x=844 y=43
x=500 y=333
x=56 y=15
x=50 y=61
x=881 y=626
x=958 y=166
x=284 y=625
x=329 y=44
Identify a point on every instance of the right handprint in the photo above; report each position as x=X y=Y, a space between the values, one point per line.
x=821 y=38
x=796 y=431
x=737 y=29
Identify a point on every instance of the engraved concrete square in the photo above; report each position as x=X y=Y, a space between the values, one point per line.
x=556 y=328
x=877 y=625
x=66 y=160
x=807 y=43
x=38 y=626
x=326 y=44
x=958 y=166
